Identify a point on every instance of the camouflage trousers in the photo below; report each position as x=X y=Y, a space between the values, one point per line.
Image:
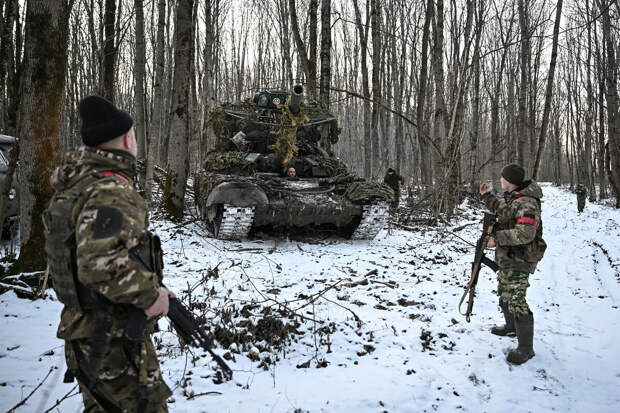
x=511 y=288
x=581 y=203
x=123 y=375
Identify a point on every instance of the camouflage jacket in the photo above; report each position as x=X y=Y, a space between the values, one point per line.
x=518 y=225
x=581 y=191
x=393 y=180
x=110 y=219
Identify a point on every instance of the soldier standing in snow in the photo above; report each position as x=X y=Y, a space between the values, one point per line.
x=581 y=192
x=103 y=263
x=517 y=237
x=392 y=179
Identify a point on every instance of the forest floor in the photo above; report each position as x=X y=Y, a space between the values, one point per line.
x=363 y=326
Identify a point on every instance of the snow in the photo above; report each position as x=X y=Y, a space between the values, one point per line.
x=395 y=343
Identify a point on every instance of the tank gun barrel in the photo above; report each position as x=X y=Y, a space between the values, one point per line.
x=297 y=94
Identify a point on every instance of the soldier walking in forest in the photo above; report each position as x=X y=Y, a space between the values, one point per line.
x=517 y=237
x=100 y=256
x=581 y=192
x=392 y=179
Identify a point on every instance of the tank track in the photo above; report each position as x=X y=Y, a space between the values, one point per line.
x=374 y=219
x=236 y=222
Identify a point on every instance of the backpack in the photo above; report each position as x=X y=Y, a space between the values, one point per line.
x=61 y=248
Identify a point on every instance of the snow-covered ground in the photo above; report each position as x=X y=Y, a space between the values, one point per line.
x=374 y=326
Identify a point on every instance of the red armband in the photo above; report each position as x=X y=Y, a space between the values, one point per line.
x=526 y=220
x=116 y=175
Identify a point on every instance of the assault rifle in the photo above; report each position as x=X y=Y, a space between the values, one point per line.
x=186 y=326
x=479 y=259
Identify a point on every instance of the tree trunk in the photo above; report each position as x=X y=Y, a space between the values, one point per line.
x=208 y=89
x=156 y=126
x=375 y=21
x=601 y=132
x=425 y=159
x=611 y=96
x=522 y=128
x=308 y=62
x=474 y=177
x=285 y=43
x=326 y=70
x=363 y=35
x=14 y=70
x=549 y=90
x=47 y=33
x=108 y=87
x=178 y=151
x=590 y=112
x=6 y=41
x=139 y=77
x=440 y=126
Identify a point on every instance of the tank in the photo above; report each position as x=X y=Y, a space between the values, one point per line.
x=270 y=171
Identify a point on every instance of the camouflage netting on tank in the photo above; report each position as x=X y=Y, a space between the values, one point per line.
x=219 y=121
x=225 y=161
x=334 y=166
x=359 y=191
x=229 y=118
x=285 y=146
x=318 y=114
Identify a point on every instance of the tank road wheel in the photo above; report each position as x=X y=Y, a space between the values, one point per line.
x=232 y=222
x=374 y=219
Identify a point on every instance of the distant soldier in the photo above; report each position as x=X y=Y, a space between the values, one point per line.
x=392 y=179
x=519 y=246
x=104 y=265
x=581 y=192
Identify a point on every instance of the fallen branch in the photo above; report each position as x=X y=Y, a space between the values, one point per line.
x=277 y=302
x=23 y=401
x=65 y=397
x=193 y=396
x=319 y=295
x=355 y=316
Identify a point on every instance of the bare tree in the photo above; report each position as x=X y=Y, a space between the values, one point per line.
x=611 y=96
x=108 y=88
x=139 y=78
x=549 y=90
x=523 y=127
x=156 y=126
x=47 y=31
x=178 y=156
x=308 y=61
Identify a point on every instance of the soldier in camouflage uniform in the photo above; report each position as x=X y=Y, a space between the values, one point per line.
x=519 y=246
x=393 y=179
x=99 y=271
x=581 y=192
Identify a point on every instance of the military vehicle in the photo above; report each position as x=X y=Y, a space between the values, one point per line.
x=270 y=171
x=11 y=202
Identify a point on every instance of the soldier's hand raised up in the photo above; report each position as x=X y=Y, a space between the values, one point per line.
x=484 y=188
x=491 y=243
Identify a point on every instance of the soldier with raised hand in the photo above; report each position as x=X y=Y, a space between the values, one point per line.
x=517 y=237
x=581 y=192
x=102 y=261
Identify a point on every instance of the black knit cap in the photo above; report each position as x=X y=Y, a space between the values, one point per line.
x=513 y=173
x=102 y=121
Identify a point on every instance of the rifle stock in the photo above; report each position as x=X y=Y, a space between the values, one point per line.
x=479 y=259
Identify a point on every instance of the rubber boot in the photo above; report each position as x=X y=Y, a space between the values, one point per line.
x=525 y=334
x=507 y=329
